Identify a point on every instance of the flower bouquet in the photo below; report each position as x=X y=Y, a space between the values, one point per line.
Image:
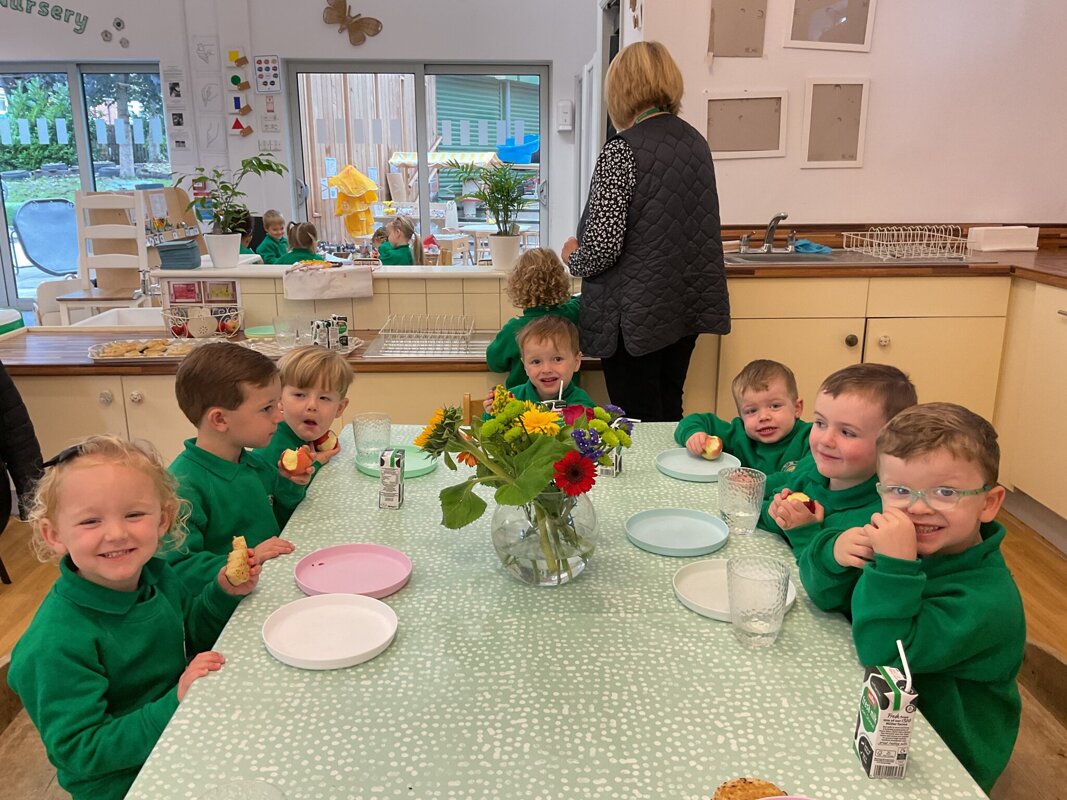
x=541 y=463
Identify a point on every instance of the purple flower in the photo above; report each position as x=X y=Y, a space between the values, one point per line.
x=615 y=411
x=588 y=441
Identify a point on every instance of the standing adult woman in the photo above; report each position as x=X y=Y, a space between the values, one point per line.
x=649 y=246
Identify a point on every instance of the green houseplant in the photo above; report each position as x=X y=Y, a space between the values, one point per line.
x=468 y=175
x=501 y=190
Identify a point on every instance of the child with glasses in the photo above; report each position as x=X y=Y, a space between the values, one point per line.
x=928 y=570
x=837 y=481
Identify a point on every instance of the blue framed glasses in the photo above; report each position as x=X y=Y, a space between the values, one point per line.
x=939 y=498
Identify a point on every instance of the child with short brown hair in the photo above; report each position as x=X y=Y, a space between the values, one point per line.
x=768 y=433
x=231 y=393
x=274 y=245
x=551 y=357
x=539 y=284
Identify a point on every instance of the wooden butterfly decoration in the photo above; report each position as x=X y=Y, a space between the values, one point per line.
x=358 y=26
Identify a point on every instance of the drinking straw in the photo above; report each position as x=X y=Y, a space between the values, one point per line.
x=904 y=663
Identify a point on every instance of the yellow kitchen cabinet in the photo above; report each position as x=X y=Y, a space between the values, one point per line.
x=1039 y=457
x=67 y=408
x=152 y=413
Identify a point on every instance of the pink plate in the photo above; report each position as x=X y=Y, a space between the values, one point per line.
x=371 y=569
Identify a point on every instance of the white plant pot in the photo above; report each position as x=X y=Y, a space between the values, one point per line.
x=504 y=250
x=470 y=207
x=224 y=249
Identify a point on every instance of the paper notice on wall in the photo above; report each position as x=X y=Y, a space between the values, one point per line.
x=737 y=28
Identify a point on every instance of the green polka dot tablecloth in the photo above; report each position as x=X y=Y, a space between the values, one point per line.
x=604 y=688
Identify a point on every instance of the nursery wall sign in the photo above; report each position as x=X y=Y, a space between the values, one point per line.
x=68 y=16
x=359 y=27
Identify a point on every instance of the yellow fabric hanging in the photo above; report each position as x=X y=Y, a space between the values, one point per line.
x=355 y=193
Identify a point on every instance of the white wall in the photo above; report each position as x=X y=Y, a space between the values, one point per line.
x=966 y=118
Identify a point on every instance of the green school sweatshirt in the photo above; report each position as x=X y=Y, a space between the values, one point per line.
x=395 y=256
x=298 y=254
x=769 y=458
x=572 y=395
x=246 y=498
x=960 y=618
x=98 y=670
x=844 y=508
x=272 y=249
x=502 y=354
x=284 y=439
x=247 y=251
x=828 y=584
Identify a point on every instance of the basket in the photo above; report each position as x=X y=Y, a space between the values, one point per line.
x=203 y=322
x=909 y=241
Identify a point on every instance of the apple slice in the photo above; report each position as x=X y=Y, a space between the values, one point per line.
x=328 y=441
x=713 y=449
x=800 y=497
x=296 y=461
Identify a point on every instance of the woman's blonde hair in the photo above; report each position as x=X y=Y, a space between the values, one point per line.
x=137 y=454
x=406 y=226
x=302 y=235
x=538 y=279
x=642 y=76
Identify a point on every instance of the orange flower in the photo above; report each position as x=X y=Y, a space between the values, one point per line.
x=463 y=457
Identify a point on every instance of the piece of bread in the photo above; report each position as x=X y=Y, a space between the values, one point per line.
x=747 y=789
x=237 y=562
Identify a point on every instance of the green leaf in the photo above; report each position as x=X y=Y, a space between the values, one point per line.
x=460 y=506
x=534 y=471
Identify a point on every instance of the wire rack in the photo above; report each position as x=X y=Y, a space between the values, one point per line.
x=426 y=335
x=909 y=241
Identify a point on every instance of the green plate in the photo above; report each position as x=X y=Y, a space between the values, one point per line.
x=259 y=332
x=416 y=463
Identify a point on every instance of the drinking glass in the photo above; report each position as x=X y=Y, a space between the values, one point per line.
x=740 y=498
x=302 y=327
x=285 y=332
x=371 y=432
x=757 y=586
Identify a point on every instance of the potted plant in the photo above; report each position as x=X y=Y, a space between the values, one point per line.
x=468 y=175
x=501 y=190
x=217 y=195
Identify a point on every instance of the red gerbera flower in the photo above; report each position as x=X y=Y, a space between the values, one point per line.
x=571 y=413
x=575 y=474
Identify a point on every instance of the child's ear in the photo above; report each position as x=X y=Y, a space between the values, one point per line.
x=798 y=409
x=217 y=418
x=341 y=408
x=994 y=499
x=51 y=538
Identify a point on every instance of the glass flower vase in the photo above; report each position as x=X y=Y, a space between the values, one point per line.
x=548 y=541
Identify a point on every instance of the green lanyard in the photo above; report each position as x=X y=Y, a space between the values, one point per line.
x=646 y=114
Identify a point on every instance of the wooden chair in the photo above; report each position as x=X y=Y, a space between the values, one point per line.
x=472 y=407
x=1038 y=766
x=27 y=771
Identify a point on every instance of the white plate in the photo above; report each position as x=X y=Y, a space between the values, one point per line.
x=677 y=532
x=329 y=631
x=702 y=587
x=681 y=464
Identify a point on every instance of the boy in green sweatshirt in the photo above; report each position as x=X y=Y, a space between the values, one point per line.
x=930 y=573
x=837 y=481
x=274 y=245
x=231 y=394
x=314 y=384
x=767 y=434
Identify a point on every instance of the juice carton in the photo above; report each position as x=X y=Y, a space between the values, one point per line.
x=391 y=482
x=884 y=722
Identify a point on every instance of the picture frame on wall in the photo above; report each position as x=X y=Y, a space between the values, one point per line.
x=831 y=25
x=747 y=124
x=835 y=122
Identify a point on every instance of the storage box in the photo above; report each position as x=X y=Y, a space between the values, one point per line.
x=1004 y=237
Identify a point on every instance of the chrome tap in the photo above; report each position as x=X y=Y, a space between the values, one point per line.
x=768 y=238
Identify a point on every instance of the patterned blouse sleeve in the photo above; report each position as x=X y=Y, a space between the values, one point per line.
x=610 y=193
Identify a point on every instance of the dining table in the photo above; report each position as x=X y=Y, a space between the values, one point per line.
x=604 y=687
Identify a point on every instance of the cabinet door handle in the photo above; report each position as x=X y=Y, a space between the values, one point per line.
x=136 y=397
x=1062 y=312
x=883 y=341
x=106 y=397
x=852 y=340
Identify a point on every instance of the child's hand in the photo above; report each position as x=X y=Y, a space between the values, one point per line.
x=789 y=514
x=272 y=548
x=853 y=548
x=323 y=456
x=487 y=403
x=299 y=478
x=242 y=589
x=893 y=534
x=696 y=443
x=201 y=665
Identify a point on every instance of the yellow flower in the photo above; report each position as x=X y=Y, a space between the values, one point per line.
x=435 y=420
x=535 y=420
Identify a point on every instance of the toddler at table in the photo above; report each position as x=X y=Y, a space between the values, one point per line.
x=274 y=245
x=242 y=224
x=118 y=640
x=550 y=356
x=314 y=384
x=303 y=244
x=839 y=474
x=539 y=284
x=231 y=393
x=402 y=246
x=768 y=433
x=928 y=570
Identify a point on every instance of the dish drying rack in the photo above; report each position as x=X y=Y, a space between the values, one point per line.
x=909 y=241
x=426 y=335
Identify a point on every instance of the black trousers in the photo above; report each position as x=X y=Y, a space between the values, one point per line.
x=649 y=387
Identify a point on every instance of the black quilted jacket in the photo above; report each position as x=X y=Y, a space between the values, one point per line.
x=20 y=454
x=669 y=281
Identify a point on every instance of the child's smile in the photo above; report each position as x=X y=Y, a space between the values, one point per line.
x=548 y=367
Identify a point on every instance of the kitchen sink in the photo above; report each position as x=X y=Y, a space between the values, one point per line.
x=782 y=258
x=837 y=257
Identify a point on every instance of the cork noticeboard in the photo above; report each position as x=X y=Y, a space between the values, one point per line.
x=835 y=121
x=747 y=124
